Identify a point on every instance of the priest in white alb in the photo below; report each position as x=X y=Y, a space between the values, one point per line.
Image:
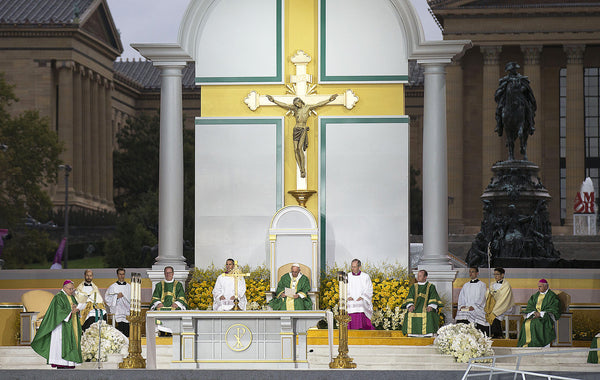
x=118 y=301
x=471 y=302
x=360 y=297
x=224 y=290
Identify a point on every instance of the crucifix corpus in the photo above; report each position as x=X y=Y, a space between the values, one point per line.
x=236 y=273
x=301 y=101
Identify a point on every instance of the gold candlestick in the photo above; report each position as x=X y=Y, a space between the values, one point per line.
x=343 y=360
x=135 y=359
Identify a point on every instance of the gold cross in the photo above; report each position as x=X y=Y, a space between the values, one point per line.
x=236 y=273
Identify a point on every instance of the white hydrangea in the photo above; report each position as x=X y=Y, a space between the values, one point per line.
x=463 y=341
x=113 y=342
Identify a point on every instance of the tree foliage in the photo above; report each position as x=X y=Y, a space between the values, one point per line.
x=136 y=165
x=27 y=167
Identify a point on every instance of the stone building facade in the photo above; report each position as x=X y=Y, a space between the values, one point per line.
x=61 y=56
x=556 y=43
x=62 y=60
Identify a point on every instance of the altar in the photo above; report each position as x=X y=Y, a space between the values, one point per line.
x=244 y=339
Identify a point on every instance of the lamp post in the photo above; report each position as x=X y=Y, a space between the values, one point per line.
x=67 y=169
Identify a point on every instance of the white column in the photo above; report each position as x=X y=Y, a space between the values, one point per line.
x=435 y=162
x=170 y=191
x=170 y=59
x=435 y=183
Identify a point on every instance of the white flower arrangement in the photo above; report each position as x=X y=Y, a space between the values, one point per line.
x=463 y=341
x=388 y=319
x=256 y=306
x=113 y=342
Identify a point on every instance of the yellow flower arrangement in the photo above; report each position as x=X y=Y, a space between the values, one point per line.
x=199 y=290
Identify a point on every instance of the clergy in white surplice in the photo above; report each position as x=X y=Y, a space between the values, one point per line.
x=224 y=290
x=360 y=297
x=471 y=302
x=88 y=293
x=118 y=301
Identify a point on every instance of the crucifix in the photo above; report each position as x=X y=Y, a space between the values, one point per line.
x=301 y=101
x=236 y=273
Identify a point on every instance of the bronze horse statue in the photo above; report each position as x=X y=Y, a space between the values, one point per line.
x=516 y=108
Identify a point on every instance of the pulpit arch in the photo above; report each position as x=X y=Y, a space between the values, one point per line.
x=294 y=238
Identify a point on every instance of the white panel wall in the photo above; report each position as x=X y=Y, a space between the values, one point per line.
x=364 y=189
x=234 y=47
x=238 y=181
x=363 y=40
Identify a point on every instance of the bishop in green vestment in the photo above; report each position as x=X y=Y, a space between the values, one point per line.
x=168 y=294
x=299 y=285
x=543 y=309
x=423 y=303
x=59 y=336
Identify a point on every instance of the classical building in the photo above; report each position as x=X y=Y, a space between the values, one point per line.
x=61 y=57
x=556 y=43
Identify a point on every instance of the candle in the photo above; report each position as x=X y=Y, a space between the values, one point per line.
x=131 y=296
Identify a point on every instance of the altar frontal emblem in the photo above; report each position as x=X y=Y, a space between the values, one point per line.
x=238 y=337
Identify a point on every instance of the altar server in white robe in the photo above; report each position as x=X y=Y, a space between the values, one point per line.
x=471 y=302
x=224 y=290
x=360 y=297
x=118 y=301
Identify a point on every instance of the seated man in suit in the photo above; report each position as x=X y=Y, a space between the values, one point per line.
x=292 y=291
x=543 y=309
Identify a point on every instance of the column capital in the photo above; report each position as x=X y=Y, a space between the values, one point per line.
x=164 y=54
x=531 y=54
x=574 y=53
x=491 y=54
x=67 y=64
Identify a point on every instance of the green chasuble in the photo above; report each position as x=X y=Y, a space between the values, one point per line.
x=593 y=355
x=285 y=303
x=421 y=322
x=539 y=332
x=166 y=296
x=59 y=309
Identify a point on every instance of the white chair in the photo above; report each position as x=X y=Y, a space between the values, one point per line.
x=512 y=314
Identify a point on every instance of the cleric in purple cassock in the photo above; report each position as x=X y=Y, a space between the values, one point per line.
x=360 y=296
x=59 y=336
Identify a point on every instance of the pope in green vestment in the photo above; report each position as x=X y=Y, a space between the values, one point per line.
x=59 y=336
x=543 y=308
x=299 y=284
x=423 y=303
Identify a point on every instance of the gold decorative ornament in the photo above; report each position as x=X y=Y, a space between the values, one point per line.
x=343 y=360
x=240 y=337
x=302 y=196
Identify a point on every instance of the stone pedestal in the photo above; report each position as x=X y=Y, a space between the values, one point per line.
x=516 y=223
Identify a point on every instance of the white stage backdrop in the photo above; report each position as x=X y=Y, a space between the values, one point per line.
x=364 y=189
x=239 y=176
